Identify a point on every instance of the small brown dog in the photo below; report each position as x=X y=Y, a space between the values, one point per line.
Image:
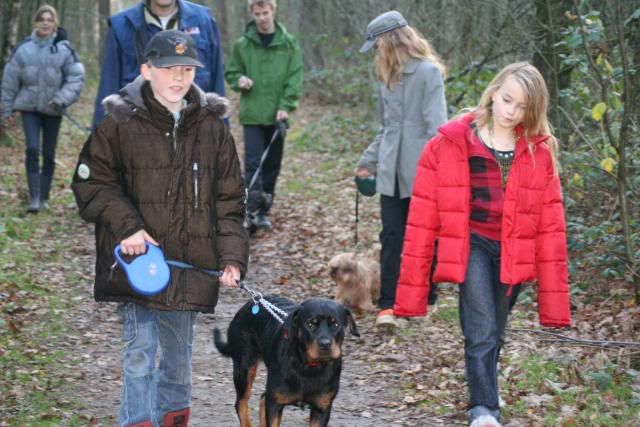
x=358 y=280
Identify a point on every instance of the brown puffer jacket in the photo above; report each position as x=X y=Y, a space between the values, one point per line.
x=181 y=184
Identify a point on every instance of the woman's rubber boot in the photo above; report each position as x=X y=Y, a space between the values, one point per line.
x=177 y=418
x=45 y=188
x=34 y=192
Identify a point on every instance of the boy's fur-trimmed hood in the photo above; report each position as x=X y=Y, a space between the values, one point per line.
x=128 y=99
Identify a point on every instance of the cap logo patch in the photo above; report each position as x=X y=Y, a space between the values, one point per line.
x=181 y=48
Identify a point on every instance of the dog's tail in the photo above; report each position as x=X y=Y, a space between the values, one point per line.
x=222 y=346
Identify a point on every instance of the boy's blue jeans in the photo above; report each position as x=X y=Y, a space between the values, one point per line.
x=484 y=310
x=150 y=391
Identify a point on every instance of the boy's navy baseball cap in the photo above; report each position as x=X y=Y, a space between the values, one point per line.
x=171 y=48
x=382 y=24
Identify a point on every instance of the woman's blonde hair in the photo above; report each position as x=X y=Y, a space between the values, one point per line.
x=394 y=48
x=535 y=120
x=42 y=10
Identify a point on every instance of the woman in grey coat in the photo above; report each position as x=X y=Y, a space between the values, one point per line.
x=42 y=78
x=412 y=107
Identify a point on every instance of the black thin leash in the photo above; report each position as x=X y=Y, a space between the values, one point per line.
x=75 y=122
x=355 y=234
x=256 y=296
x=275 y=134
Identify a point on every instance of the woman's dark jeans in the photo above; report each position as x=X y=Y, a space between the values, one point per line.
x=484 y=310
x=394 y=212
x=33 y=124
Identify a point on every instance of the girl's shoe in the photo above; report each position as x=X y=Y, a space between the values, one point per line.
x=386 y=318
x=485 y=421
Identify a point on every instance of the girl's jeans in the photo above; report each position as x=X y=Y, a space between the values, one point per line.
x=34 y=124
x=484 y=309
x=150 y=391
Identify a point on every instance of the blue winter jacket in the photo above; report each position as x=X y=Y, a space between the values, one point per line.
x=128 y=36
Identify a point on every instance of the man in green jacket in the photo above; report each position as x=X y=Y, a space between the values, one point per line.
x=266 y=68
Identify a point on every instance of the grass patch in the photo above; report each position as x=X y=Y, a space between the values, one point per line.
x=36 y=292
x=604 y=397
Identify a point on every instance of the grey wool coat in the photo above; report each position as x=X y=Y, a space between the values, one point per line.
x=41 y=70
x=410 y=113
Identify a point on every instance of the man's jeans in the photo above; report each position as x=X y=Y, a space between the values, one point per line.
x=256 y=140
x=33 y=125
x=484 y=310
x=150 y=391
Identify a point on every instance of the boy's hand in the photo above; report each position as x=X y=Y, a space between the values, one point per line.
x=135 y=244
x=282 y=115
x=231 y=276
x=245 y=83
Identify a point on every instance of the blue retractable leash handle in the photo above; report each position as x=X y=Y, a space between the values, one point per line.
x=147 y=274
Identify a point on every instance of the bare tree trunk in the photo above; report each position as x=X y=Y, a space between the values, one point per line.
x=8 y=9
x=104 y=11
x=549 y=22
x=623 y=175
x=223 y=20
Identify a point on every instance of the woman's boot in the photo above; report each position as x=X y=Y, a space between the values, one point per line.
x=45 y=187
x=34 y=192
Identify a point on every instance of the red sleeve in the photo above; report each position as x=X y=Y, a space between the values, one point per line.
x=551 y=259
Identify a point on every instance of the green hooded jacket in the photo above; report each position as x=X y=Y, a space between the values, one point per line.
x=276 y=71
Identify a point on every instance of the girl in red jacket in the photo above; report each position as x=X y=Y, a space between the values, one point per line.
x=487 y=187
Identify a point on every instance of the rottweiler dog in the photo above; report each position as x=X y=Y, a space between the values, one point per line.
x=303 y=356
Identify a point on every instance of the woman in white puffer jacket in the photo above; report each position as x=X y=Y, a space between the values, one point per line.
x=42 y=78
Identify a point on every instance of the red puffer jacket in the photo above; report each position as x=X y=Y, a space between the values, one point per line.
x=533 y=243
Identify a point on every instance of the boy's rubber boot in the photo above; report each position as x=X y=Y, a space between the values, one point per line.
x=33 y=180
x=142 y=424
x=45 y=187
x=177 y=418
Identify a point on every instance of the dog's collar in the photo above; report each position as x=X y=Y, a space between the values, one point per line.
x=315 y=364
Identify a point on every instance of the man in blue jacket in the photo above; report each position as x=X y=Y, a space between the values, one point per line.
x=131 y=29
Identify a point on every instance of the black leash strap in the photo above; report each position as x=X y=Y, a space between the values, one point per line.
x=355 y=234
x=184 y=265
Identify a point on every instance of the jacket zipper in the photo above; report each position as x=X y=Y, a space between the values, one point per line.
x=175 y=135
x=195 y=183
x=171 y=190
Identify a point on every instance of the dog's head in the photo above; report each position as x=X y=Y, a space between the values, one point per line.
x=319 y=325
x=343 y=268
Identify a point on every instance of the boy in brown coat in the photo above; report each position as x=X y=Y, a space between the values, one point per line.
x=162 y=169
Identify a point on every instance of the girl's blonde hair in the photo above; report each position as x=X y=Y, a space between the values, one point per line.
x=535 y=120
x=394 y=48
x=42 y=10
